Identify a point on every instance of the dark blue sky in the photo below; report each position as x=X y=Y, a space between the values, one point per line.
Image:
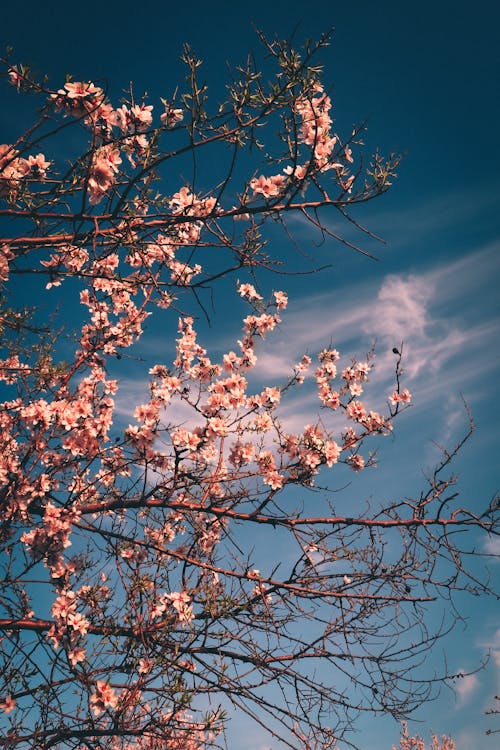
x=426 y=76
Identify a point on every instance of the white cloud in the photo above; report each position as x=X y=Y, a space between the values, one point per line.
x=401 y=309
x=465 y=740
x=464 y=687
x=492 y=547
x=429 y=312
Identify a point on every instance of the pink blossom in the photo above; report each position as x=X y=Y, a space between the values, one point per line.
x=171 y=116
x=15 y=77
x=6 y=255
x=249 y=292
x=265 y=459
x=281 y=300
x=145 y=666
x=64 y=605
x=122 y=118
x=102 y=173
x=216 y=427
x=274 y=480
x=142 y=115
x=310 y=460
x=80 y=90
x=331 y=452
x=182 y=273
x=76 y=656
x=375 y=422
x=404 y=397
x=263 y=422
x=7 y=705
x=355 y=388
x=356 y=462
x=103 y=697
x=78 y=623
x=268 y=186
x=299 y=172
x=40 y=163
x=241 y=453
x=270 y=397
x=328 y=355
x=184 y=439
x=356 y=410
x=13 y=169
x=181 y=602
x=148 y=413
x=260 y=324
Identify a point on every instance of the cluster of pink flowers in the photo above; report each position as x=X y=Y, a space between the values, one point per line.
x=249 y=292
x=103 y=331
x=267 y=468
x=102 y=698
x=85 y=100
x=187 y=347
x=88 y=102
x=155 y=493
x=403 y=397
x=81 y=422
x=180 y=601
x=71 y=258
x=313 y=110
x=408 y=742
x=268 y=187
x=50 y=540
x=69 y=627
x=185 y=203
x=102 y=173
x=160 y=251
x=78 y=98
x=311 y=450
x=208 y=533
x=227 y=404
x=15 y=76
x=226 y=393
x=172 y=731
x=241 y=453
x=315 y=132
x=171 y=116
x=134 y=119
x=6 y=256
x=259 y=325
x=14 y=170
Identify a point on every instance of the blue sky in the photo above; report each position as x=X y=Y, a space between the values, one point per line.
x=426 y=77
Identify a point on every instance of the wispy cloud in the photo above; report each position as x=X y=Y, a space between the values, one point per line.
x=449 y=342
x=491 y=546
x=449 y=346
x=465 y=687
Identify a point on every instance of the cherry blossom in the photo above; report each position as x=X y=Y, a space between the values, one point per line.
x=135 y=529
x=403 y=397
x=103 y=697
x=7 y=705
x=249 y=292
